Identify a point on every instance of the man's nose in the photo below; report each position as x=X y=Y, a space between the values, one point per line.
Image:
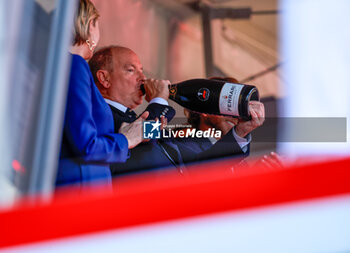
x=142 y=77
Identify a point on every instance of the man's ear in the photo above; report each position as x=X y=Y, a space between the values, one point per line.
x=103 y=78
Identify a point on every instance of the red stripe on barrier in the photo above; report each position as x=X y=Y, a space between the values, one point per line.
x=154 y=198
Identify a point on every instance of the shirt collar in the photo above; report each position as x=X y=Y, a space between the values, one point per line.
x=117 y=105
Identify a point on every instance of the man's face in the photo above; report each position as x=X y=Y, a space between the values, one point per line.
x=126 y=78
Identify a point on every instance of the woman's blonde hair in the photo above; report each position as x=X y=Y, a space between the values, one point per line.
x=85 y=14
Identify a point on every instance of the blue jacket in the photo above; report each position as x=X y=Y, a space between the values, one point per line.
x=89 y=143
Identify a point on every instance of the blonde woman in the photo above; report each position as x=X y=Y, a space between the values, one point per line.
x=89 y=143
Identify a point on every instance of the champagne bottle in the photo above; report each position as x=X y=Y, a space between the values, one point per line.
x=214 y=97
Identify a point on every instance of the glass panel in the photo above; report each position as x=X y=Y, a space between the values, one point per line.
x=38 y=37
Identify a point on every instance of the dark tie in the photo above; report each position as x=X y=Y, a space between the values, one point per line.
x=131 y=114
x=171 y=150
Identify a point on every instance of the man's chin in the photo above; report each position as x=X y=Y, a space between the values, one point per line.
x=139 y=102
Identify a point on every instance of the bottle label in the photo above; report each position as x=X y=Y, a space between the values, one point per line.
x=229 y=98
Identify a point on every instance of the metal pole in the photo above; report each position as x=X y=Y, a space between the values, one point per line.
x=208 y=47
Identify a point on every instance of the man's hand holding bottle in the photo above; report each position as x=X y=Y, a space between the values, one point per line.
x=156 y=88
x=257 y=112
